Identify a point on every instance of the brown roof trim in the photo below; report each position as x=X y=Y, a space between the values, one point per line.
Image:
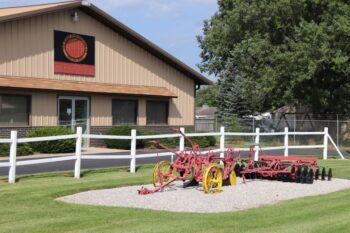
x=83 y=87
x=123 y=30
x=62 y=6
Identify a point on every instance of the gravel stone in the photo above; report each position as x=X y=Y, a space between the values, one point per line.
x=192 y=199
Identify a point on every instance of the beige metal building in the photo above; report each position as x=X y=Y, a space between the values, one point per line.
x=71 y=64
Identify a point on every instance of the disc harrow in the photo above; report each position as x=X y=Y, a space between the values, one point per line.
x=287 y=169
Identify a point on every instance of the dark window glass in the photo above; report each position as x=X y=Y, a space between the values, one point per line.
x=157 y=112
x=14 y=110
x=124 y=112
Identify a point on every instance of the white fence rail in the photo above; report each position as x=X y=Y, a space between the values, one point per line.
x=133 y=156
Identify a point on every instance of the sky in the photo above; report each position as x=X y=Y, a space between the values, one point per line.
x=170 y=24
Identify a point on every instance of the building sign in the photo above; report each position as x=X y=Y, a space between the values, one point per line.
x=74 y=54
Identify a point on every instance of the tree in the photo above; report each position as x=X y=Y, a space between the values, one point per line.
x=207 y=95
x=230 y=99
x=282 y=51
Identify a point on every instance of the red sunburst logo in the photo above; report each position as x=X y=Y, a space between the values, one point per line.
x=75 y=48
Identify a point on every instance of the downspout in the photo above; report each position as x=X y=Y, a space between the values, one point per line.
x=197 y=86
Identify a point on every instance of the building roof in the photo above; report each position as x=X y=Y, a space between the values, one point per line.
x=17 y=11
x=74 y=86
x=205 y=110
x=7 y=14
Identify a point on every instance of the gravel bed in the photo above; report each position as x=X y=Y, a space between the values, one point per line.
x=232 y=198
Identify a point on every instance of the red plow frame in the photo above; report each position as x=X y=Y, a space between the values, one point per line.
x=194 y=167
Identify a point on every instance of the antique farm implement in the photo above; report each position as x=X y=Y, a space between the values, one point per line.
x=287 y=169
x=192 y=167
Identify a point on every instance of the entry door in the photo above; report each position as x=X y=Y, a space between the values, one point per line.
x=73 y=112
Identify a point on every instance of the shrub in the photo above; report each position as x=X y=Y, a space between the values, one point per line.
x=57 y=146
x=123 y=130
x=146 y=143
x=169 y=142
x=202 y=141
x=22 y=150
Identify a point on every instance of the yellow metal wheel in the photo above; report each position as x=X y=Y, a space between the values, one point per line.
x=233 y=178
x=159 y=170
x=212 y=179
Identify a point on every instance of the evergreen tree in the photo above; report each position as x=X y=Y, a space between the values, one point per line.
x=230 y=99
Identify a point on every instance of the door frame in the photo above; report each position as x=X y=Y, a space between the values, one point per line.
x=73 y=99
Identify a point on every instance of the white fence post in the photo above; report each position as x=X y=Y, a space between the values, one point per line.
x=13 y=151
x=222 y=141
x=78 y=143
x=257 y=140
x=286 y=152
x=133 y=151
x=181 y=144
x=325 y=143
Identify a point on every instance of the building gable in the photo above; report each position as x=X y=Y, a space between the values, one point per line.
x=8 y=14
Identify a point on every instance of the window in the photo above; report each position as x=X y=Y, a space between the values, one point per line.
x=157 y=112
x=124 y=112
x=14 y=110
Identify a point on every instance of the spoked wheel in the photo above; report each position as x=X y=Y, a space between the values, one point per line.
x=161 y=173
x=330 y=174
x=212 y=179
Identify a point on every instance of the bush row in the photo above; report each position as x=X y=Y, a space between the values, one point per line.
x=68 y=145
x=57 y=146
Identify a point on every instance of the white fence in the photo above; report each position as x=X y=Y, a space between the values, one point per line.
x=13 y=163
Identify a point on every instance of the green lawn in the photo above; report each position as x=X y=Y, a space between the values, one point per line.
x=29 y=206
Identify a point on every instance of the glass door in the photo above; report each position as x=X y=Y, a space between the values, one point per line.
x=81 y=118
x=73 y=112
